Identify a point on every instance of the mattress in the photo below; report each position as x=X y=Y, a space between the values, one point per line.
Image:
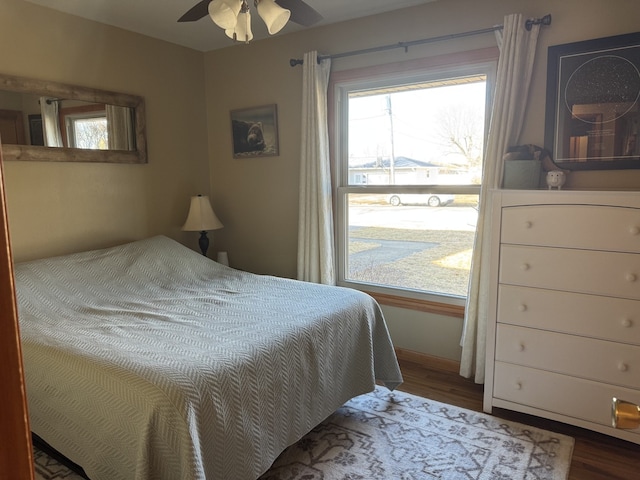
x=149 y=361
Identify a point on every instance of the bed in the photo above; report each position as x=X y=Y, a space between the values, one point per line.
x=149 y=361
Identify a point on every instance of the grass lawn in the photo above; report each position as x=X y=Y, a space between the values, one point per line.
x=443 y=268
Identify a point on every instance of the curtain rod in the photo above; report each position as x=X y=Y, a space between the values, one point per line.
x=546 y=20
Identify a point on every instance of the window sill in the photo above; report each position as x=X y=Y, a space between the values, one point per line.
x=419 y=305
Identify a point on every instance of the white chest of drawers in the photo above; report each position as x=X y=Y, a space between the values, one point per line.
x=563 y=332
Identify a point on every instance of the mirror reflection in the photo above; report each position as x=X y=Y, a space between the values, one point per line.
x=27 y=119
x=48 y=121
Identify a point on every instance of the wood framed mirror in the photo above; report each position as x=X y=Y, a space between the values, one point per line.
x=56 y=122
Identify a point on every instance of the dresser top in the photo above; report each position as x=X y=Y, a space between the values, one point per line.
x=567 y=197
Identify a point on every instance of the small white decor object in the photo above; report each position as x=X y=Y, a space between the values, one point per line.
x=556 y=179
x=223 y=258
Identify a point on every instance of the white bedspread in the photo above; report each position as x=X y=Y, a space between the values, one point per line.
x=148 y=361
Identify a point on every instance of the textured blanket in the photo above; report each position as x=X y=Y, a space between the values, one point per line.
x=149 y=361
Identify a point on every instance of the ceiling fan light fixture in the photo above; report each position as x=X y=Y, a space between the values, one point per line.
x=241 y=31
x=224 y=13
x=274 y=16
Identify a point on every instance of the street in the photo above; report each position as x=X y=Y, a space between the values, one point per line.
x=451 y=217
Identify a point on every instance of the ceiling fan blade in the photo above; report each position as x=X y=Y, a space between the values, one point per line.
x=198 y=11
x=301 y=13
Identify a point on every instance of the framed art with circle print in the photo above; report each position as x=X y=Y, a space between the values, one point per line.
x=592 y=119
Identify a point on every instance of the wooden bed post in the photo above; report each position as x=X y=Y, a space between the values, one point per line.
x=16 y=454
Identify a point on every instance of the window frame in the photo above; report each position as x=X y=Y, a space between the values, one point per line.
x=479 y=62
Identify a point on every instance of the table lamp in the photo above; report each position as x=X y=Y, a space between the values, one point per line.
x=201 y=218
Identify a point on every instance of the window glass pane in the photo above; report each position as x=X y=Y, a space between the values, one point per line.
x=428 y=133
x=90 y=133
x=416 y=242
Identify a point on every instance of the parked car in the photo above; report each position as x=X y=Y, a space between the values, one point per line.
x=431 y=199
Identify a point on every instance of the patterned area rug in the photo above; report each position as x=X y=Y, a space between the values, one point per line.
x=48 y=468
x=398 y=436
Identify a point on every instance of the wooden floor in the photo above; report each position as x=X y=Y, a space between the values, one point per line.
x=595 y=456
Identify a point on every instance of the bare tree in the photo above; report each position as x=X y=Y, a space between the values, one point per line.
x=91 y=133
x=460 y=131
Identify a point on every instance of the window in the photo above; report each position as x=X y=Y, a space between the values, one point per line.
x=87 y=132
x=409 y=167
x=85 y=127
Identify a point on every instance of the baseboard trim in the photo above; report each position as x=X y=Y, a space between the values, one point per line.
x=440 y=363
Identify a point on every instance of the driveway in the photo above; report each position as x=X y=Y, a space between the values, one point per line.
x=381 y=251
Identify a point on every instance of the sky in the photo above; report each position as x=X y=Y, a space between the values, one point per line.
x=416 y=115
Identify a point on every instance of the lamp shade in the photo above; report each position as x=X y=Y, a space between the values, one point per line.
x=241 y=31
x=201 y=216
x=274 y=16
x=224 y=13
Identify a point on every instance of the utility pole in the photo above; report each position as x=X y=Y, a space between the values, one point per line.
x=392 y=167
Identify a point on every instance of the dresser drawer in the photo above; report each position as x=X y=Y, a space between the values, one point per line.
x=576 y=226
x=598 y=360
x=583 y=271
x=565 y=395
x=607 y=318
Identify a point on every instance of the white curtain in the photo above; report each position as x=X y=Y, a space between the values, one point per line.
x=315 y=219
x=515 y=66
x=120 y=128
x=50 y=122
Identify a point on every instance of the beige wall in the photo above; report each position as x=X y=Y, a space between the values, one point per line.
x=257 y=198
x=56 y=208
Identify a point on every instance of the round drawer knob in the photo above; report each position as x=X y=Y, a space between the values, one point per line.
x=517 y=385
x=627 y=322
x=520 y=347
x=634 y=230
x=525 y=266
x=522 y=307
x=631 y=277
x=528 y=224
x=623 y=367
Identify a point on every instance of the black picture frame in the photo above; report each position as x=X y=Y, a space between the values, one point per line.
x=36 y=133
x=592 y=114
x=254 y=131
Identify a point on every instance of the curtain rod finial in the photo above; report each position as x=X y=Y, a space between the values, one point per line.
x=544 y=21
x=298 y=61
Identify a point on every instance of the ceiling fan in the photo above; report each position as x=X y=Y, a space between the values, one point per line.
x=301 y=13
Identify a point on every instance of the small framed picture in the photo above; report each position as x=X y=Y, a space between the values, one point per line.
x=35 y=130
x=255 y=132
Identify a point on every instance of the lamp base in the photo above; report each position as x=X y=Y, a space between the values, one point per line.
x=203 y=241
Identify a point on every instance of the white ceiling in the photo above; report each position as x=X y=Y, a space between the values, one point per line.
x=158 y=18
